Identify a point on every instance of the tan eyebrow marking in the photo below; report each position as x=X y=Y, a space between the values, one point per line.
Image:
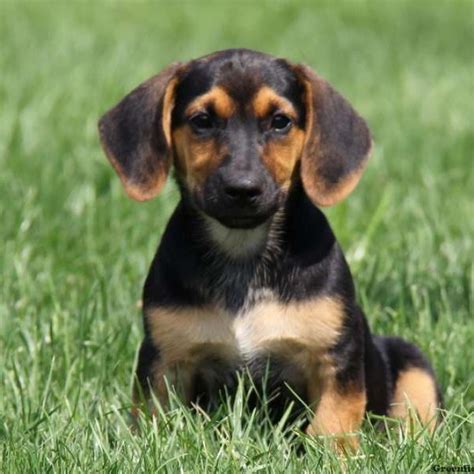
x=266 y=99
x=218 y=98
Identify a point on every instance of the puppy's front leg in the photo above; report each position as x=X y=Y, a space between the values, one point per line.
x=339 y=413
x=155 y=373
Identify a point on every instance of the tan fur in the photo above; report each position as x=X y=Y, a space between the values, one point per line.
x=184 y=337
x=415 y=391
x=218 y=98
x=179 y=333
x=138 y=191
x=168 y=104
x=314 y=324
x=266 y=100
x=281 y=155
x=164 y=375
x=301 y=332
x=195 y=158
x=339 y=413
x=178 y=376
x=327 y=195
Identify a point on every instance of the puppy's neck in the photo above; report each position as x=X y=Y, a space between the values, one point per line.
x=242 y=244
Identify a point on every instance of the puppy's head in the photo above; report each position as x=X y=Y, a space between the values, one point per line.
x=241 y=128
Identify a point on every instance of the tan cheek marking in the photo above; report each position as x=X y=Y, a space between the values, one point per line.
x=195 y=159
x=181 y=333
x=267 y=99
x=218 y=98
x=315 y=325
x=281 y=155
x=415 y=390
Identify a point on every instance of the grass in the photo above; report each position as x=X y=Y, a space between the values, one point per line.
x=75 y=251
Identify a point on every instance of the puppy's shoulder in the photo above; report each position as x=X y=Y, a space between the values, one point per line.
x=314 y=261
x=176 y=265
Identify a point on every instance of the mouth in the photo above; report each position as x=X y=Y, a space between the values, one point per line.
x=237 y=216
x=243 y=222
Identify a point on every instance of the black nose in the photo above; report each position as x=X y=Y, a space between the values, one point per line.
x=243 y=189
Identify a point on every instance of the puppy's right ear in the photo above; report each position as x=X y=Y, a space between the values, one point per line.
x=136 y=135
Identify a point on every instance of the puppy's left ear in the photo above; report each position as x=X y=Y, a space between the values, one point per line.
x=338 y=142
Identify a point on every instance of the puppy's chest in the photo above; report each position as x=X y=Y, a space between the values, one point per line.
x=264 y=326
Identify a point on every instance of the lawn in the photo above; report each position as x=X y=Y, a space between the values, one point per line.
x=75 y=251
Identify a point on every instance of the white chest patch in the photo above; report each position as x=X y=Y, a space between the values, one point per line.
x=314 y=325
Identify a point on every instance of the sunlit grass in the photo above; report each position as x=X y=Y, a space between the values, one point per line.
x=75 y=251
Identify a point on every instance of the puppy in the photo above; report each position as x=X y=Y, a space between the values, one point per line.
x=248 y=275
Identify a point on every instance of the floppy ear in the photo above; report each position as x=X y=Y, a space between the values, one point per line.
x=338 y=142
x=136 y=135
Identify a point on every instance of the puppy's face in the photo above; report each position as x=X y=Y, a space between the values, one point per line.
x=241 y=128
x=237 y=135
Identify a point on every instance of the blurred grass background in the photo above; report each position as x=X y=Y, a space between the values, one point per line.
x=75 y=251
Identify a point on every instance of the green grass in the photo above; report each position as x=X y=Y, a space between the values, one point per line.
x=75 y=251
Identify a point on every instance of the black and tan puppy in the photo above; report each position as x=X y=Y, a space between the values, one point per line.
x=248 y=275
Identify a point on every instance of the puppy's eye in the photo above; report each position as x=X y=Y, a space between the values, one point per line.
x=201 y=121
x=281 y=123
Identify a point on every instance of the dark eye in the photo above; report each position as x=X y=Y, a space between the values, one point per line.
x=280 y=123
x=201 y=121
